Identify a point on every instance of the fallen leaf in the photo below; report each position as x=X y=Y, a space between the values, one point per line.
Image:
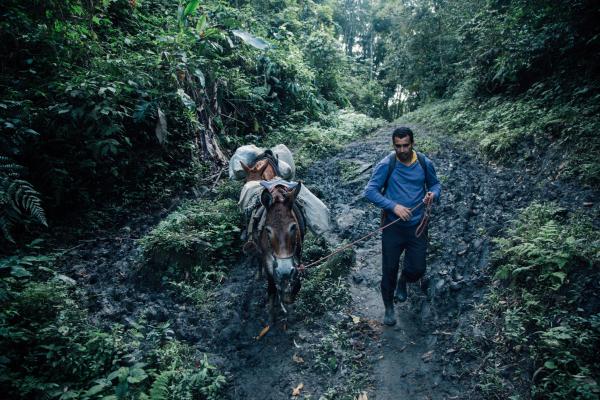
x=450 y=351
x=427 y=356
x=263 y=332
x=363 y=396
x=297 y=389
x=355 y=319
x=297 y=359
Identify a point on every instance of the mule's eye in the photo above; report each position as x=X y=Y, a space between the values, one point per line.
x=293 y=228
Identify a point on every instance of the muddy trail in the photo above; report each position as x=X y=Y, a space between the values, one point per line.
x=348 y=352
x=412 y=359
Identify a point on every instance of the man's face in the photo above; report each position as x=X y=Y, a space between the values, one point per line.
x=403 y=148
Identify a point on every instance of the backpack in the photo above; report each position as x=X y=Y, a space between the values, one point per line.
x=391 y=166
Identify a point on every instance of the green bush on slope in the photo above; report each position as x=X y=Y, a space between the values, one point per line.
x=543 y=312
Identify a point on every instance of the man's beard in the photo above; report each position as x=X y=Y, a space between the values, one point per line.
x=404 y=156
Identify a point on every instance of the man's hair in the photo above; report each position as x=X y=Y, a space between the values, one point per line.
x=402 y=132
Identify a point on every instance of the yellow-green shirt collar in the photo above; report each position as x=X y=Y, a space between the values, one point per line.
x=413 y=159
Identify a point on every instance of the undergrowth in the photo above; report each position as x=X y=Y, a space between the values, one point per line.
x=51 y=348
x=321 y=139
x=325 y=287
x=540 y=324
x=545 y=119
x=193 y=247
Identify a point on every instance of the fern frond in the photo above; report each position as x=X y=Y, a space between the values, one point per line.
x=9 y=168
x=5 y=226
x=160 y=387
x=18 y=199
x=24 y=197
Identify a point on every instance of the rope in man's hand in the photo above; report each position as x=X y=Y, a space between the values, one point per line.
x=428 y=202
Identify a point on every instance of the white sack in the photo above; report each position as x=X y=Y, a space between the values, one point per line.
x=247 y=154
x=250 y=196
x=287 y=168
x=315 y=211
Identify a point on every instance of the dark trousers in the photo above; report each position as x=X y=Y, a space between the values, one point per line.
x=395 y=240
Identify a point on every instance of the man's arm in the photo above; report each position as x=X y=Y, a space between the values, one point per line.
x=433 y=184
x=372 y=191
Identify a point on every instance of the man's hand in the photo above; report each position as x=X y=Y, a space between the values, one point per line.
x=402 y=212
x=428 y=199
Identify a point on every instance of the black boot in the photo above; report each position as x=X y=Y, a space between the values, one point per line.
x=389 y=318
x=401 y=291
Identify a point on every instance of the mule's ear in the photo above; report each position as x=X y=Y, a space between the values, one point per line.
x=262 y=169
x=265 y=198
x=245 y=167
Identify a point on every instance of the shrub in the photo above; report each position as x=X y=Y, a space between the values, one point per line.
x=325 y=287
x=195 y=243
x=545 y=315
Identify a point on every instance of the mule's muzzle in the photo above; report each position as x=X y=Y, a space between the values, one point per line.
x=286 y=277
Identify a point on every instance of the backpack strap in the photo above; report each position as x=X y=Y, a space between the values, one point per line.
x=421 y=160
x=391 y=166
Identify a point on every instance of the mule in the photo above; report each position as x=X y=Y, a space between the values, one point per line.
x=264 y=168
x=280 y=246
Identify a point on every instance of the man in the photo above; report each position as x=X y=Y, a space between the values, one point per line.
x=400 y=182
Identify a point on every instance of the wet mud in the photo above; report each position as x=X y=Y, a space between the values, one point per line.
x=408 y=361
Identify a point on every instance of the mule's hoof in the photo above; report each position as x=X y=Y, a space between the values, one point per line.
x=389 y=319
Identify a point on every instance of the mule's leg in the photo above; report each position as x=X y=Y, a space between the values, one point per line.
x=272 y=307
x=259 y=269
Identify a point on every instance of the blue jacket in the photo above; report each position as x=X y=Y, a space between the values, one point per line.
x=405 y=187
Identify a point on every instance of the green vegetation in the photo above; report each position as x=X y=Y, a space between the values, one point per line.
x=192 y=248
x=526 y=126
x=108 y=100
x=542 y=315
x=518 y=78
x=50 y=348
x=112 y=105
x=317 y=140
x=339 y=352
x=325 y=287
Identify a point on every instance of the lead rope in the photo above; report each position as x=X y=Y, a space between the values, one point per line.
x=418 y=232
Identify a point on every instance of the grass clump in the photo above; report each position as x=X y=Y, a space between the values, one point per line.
x=543 y=311
x=324 y=288
x=185 y=374
x=193 y=246
x=340 y=351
